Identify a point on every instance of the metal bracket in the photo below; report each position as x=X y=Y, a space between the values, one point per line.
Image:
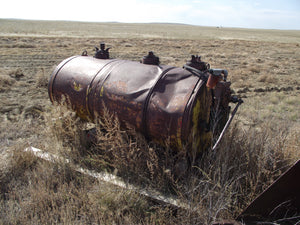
x=239 y=102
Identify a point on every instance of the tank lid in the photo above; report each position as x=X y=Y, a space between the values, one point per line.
x=150 y=59
x=101 y=53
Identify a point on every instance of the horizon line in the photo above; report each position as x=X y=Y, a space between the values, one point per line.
x=167 y=23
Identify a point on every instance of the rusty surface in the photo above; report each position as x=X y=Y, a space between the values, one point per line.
x=101 y=53
x=197 y=63
x=281 y=201
x=172 y=106
x=212 y=81
x=150 y=59
x=220 y=105
x=162 y=102
x=169 y=105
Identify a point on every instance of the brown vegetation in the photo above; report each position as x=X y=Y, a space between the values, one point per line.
x=263 y=142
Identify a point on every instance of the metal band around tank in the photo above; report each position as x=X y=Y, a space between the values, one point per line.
x=54 y=74
x=146 y=103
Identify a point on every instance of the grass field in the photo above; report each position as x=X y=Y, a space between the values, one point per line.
x=263 y=67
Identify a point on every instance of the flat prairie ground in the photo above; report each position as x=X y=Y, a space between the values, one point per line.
x=263 y=66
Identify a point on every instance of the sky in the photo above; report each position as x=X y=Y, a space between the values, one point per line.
x=265 y=14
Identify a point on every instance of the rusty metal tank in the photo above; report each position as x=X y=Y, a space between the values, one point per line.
x=167 y=104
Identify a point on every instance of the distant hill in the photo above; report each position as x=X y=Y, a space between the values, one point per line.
x=14 y=27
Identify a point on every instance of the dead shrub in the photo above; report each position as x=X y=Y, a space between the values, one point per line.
x=224 y=182
x=130 y=155
x=220 y=183
x=65 y=128
x=266 y=78
x=217 y=186
x=34 y=191
x=23 y=45
x=255 y=69
x=42 y=78
x=17 y=74
x=6 y=82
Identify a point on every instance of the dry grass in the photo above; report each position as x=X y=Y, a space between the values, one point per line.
x=36 y=192
x=263 y=67
x=140 y=31
x=267 y=78
x=5 y=82
x=42 y=78
x=219 y=185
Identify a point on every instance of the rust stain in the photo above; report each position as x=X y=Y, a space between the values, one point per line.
x=159 y=101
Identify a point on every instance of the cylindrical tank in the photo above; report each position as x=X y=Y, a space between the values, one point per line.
x=167 y=104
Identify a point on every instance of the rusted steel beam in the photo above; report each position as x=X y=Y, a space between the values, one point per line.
x=280 y=200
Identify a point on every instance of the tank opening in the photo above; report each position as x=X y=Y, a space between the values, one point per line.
x=101 y=53
x=150 y=59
